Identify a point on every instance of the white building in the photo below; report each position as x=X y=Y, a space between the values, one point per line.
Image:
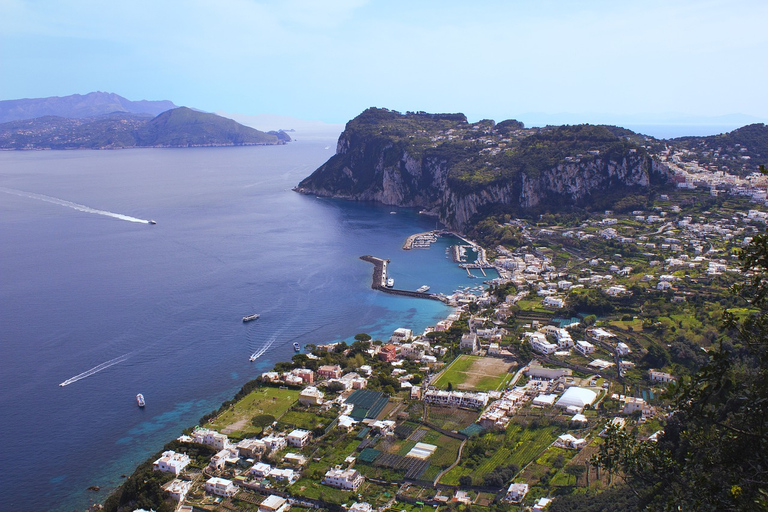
x=311 y=396
x=570 y=442
x=585 y=347
x=178 y=489
x=274 y=442
x=220 y=487
x=210 y=438
x=171 y=462
x=553 y=302
x=465 y=399
x=298 y=438
x=344 y=479
x=516 y=493
x=539 y=343
x=622 y=349
x=469 y=341
x=261 y=470
x=660 y=376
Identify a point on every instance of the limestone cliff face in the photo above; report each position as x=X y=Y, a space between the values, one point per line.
x=395 y=170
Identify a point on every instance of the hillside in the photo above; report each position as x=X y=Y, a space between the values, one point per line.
x=459 y=170
x=735 y=152
x=78 y=106
x=179 y=127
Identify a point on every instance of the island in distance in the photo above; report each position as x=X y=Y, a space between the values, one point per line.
x=108 y=121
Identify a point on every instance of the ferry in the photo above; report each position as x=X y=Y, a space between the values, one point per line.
x=390 y=283
x=423 y=289
x=140 y=400
x=251 y=317
x=152 y=222
x=296 y=347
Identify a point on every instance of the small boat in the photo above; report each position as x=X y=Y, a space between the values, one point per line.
x=252 y=358
x=140 y=400
x=251 y=317
x=151 y=222
x=296 y=346
x=390 y=282
x=423 y=289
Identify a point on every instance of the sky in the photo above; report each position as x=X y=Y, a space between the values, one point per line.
x=649 y=61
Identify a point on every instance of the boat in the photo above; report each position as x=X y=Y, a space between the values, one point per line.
x=251 y=317
x=390 y=283
x=140 y=400
x=252 y=358
x=151 y=221
x=423 y=289
x=296 y=346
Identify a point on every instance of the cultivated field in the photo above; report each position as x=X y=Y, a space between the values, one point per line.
x=475 y=373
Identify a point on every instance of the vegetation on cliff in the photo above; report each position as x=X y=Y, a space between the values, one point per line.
x=431 y=160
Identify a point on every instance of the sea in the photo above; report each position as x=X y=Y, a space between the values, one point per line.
x=97 y=304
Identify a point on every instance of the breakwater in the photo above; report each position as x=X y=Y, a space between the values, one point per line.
x=379 y=280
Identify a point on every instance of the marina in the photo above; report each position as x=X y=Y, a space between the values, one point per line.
x=380 y=277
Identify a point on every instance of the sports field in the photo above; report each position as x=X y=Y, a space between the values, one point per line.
x=475 y=373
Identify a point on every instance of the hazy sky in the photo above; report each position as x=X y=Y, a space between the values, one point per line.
x=329 y=60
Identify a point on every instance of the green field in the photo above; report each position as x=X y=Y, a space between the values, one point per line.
x=267 y=400
x=474 y=373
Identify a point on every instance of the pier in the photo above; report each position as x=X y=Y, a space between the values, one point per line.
x=380 y=278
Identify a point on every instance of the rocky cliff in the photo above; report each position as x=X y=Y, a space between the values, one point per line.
x=442 y=163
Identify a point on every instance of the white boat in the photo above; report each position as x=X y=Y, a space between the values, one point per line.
x=252 y=358
x=423 y=289
x=390 y=282
x=296 y=346
x=250 y=317
x=152 y=222
x=140 y=400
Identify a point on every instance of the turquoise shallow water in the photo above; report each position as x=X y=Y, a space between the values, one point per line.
x=118 y=306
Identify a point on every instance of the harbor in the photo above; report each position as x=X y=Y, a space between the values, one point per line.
x=379 y=281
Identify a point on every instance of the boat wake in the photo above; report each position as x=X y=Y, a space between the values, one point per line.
x=94 y=370
x=262 y=350
x=74 y=206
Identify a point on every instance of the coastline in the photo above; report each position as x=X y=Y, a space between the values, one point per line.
x=250 y=385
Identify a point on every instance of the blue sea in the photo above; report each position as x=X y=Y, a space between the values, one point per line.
x=93 y=296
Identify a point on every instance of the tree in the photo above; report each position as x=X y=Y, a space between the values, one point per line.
x=713 y=453
x=262 y=421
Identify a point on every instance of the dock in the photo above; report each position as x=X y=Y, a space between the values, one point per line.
x=380 y=278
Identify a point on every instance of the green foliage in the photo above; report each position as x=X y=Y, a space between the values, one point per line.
x=262 y=421
x=713 y=454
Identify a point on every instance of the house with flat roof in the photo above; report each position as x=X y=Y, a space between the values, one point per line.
x=299 y=438
x=171 y=462
x=345 y=479
x=220 y=487
x=274 y=503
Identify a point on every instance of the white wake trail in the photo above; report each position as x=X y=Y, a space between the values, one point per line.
x=95 y=369
x=70 y=204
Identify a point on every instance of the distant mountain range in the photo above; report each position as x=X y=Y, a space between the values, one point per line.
x=78 y=106
x=108 y=121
